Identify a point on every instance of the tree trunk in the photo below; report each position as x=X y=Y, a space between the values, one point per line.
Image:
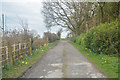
x=101 y=8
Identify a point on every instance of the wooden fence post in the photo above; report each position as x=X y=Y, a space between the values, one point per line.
x=24 y=49
x=0 y=61
x=30 y=45
x=14 y=52
x=47 y=41
x=10 y=53
x=27 y=48
x=7 y=53
x=19 y=50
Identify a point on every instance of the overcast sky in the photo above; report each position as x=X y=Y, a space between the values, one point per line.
x=27 y=10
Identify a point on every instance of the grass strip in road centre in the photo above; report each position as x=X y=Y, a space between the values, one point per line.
x=105 y=63
x=21 y=66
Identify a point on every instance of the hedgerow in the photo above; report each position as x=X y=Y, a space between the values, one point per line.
x=102 y=39
x=80 y=39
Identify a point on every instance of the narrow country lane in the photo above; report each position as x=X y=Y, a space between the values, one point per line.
x=63 y=61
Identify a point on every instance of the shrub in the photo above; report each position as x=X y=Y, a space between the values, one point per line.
x=103 y=39
x=73 y=39
x=80 y=39
x=7 y=66
x=52 y=37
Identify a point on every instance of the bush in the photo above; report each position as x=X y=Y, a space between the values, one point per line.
x=7 y=66
x=73 y=39
x=52 y=37
x=102 y=39
x=80 y=39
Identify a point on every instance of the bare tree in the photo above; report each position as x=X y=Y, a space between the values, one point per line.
x=24 y=25
x=67 y=14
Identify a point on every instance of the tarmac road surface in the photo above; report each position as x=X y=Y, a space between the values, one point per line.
x=63 y=61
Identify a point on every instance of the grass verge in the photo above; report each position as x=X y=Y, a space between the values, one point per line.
x=22 y=65
x=105 y=63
